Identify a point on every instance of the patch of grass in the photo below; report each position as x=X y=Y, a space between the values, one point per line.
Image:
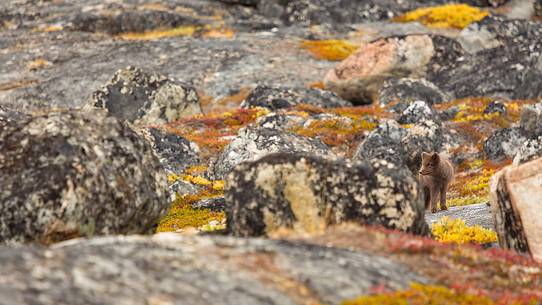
x=456 y=231
x=332 y=50
x=419 y=294
x=456 y=16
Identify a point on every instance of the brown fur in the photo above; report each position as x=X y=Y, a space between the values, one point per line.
x=436 y=173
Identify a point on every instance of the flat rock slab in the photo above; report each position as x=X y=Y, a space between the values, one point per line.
x=173 y=269
x=474 y=214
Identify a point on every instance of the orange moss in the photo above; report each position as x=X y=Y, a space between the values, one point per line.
x=456 y=16
x=332 y=50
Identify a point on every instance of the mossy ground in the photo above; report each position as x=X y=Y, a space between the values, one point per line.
x=456 y=231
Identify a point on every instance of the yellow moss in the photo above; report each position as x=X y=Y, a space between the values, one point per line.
x=182 y=215
x=161 y=33
x=467 y=200
x=456 y=231
x=333 y=50
x=482 y=183
x=419 y=294
x=456 y=16
x=218 y=185
x=172 y=178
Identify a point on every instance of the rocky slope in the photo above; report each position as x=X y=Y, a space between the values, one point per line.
x=291 y=131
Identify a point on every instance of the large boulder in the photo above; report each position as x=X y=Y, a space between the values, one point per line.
x=516 y=204
x=254 y=142
x=360 y=77
x=169 y=268
x=531 y=119
x=146 y=98
x=399 y=93
x=276 y=97
x=174 y=152
x=74 y=173
x=530 y=149
x=504 y=143
x=307 y=194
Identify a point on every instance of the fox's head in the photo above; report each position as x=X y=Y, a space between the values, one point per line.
x=429 y=163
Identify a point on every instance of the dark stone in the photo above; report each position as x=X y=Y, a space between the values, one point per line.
x=307 y=193
x=175 y=152
x=254 y=142
x=283 y=97
x=74 y=173
x=495 y=107
x=216 y=204
x=173 y=269
x=145 y=98
x=504 y=143
x=242 y=2
x=405 y=91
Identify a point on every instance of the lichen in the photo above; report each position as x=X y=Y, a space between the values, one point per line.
x=332 y=50
x=456 y=231
x=456 y=16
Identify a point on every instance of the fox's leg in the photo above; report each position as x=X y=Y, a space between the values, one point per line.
x=427 y=197
x=443 y=191
x=434 y=198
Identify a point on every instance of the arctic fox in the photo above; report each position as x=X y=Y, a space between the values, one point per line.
x=436 y=172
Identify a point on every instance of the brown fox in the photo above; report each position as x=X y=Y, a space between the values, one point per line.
x=436 y=173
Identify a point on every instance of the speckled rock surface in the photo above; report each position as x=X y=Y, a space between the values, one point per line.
x=170 y=269
x=405 y=91
x=77 y=173
x=504 y=143
x=145 y=98
x=276 y=97
x=307 y=193
x=538 y=8
x=174 y=152
x=530 y=149
x=531 y=119
x=417 y=111
x=254 y=142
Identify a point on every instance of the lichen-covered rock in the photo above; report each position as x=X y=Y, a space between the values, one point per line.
x=169 y=268
x=402 y=146
x=9 y=116
x=145 y=98
x=242 y=2
x=280 y=121
x=531 y=119
x=416 y=112
x=516 y=75
x=384 y=143
x=175 y=152
x=308 y=193
x=360 y=77
x=215 y=204
x=254 y=142
x=405 y=91
x=530 y=149
x=276 y=97
x=181 y=187
x=504 y=143
x=75 y=173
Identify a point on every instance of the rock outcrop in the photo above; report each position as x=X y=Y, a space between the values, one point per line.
x=174 y=152
x=170 y=269
x=307 y=194
x=74 y=173
x=254 y=142
x=145 y=98
x=400 y=93
x=515 y=203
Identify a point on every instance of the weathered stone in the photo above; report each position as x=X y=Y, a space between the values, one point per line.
x=425 y=136
x=495 y=107
x=254 y=142
x=175 y=152
x=277 y=97
x=9 y=116
x=242 y=2
x=416 y=112
x=143 y=98
x=215 y=204
x=404 y=91
x=360 y=77
x=181 y=187
x=280 y=121
x=515 y=203
x=530 y=149
x=73 y=173
x=384 y=143
x=538 y=8
x=173 y=269
x=531 y=119
x=504 y=143
x=307 y=193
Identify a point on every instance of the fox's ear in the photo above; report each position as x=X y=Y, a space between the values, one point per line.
x=435 y=157
x=425 y=155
